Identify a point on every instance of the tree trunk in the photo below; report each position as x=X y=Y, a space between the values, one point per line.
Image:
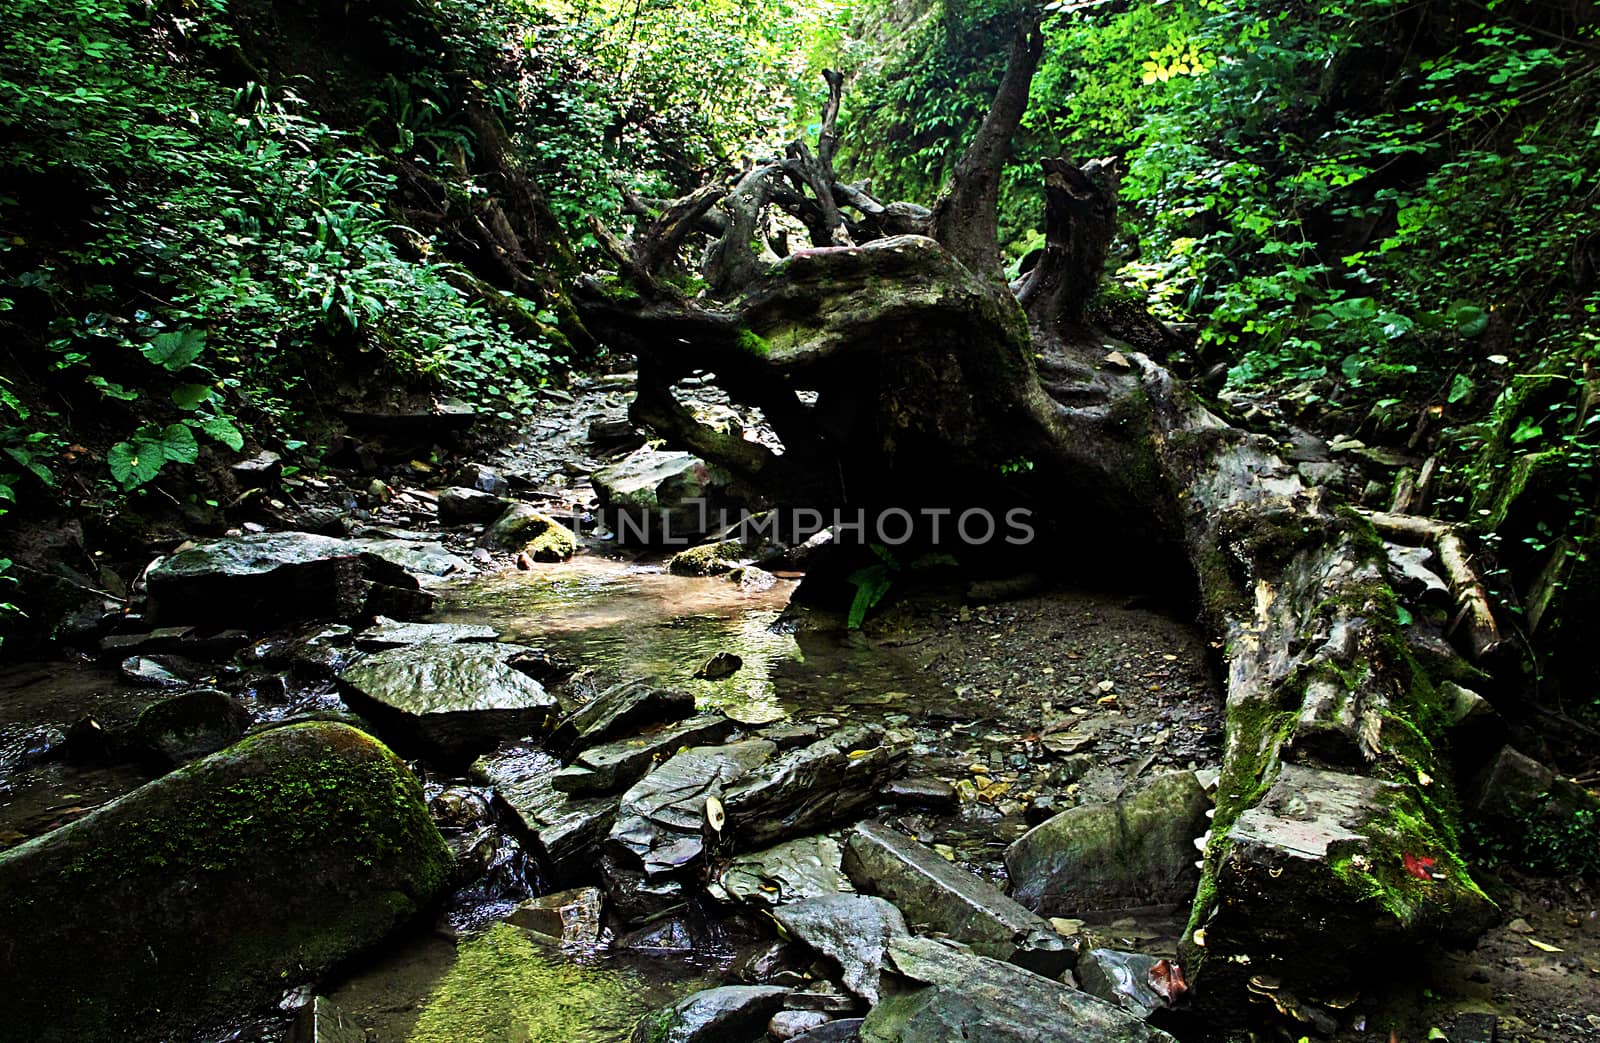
x=1334 y=845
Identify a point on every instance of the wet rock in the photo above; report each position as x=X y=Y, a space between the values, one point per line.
x=389 y=633
x=720 y=666
x=808 y=789
x=936 y=896
x=563 y=830
x=149 y=672
x=526 y=530
x=787 y=1024
x=483 y=478
x=942 y=992
x=463 y=506
x=456 y=700
x=314 y=836
x=845 y=1030
x=721 y=1015
x=1408 y=568
x=320 y=1021
x=1132 y=853
x=661 y=821
x=189 y=726
x=1139 y=984
x=621 y=708
x=821 y=995
x=268 y=578
x=920 y=793
x=162 y=639
x=613 y=435
x=90 y=742
x=632 y=897
x=790 y=735
x=789 y=872
x=675 y=934
x=617 y=765
x=852 y=930
x=415 y=555
x=771 y=963
x=569 y=917
x=459 y=807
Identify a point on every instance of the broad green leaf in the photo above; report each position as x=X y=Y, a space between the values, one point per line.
x=1526 y=431
x=132 y=465
x=1461 y=388
x=178 y=445
x=190 y=396
x=223 y=430
x=175 y=350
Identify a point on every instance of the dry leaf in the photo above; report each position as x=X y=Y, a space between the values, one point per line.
x=1544 y=946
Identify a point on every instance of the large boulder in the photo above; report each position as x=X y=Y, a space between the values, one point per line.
x=268 y=578
x=1131 y=853
x=652 y=496
x=450 y=699
x=939 y=991
x=940 y=897
x=213 y=889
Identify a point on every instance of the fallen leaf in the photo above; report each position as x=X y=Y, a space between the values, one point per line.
x=716 y=816
x=1421 y=868
x=1544 y=946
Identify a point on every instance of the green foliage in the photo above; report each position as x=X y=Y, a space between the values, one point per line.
x=231 y=244
x=873 y=582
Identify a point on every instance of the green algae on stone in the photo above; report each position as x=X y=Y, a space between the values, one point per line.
x=213 y=889
x=504 y=985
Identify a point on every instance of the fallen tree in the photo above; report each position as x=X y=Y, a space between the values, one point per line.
x=891 y=358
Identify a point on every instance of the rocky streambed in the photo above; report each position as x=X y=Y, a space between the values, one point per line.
x=629 y=826
x=519 y=783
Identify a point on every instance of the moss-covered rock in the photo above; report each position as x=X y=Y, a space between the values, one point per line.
x=521 y=528
x=708 y=559
x=212 y=890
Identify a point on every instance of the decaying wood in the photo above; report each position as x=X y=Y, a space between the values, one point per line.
x=1474 y=611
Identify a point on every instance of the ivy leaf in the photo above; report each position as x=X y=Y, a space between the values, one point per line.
x=190 y=396
x=223 y=430
x=132 y=465
x=175 y=350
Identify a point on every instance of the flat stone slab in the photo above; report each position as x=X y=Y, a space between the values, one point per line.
x=619 y=709
x=661 y=820
x=940 y=992
x=811 y=788
x=790 y=872
x=617 y=765
x=937 y=896
x=565 y=830
x=455 y=699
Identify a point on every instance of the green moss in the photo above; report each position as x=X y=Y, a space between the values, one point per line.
x=753 y=343
x=555 y=543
